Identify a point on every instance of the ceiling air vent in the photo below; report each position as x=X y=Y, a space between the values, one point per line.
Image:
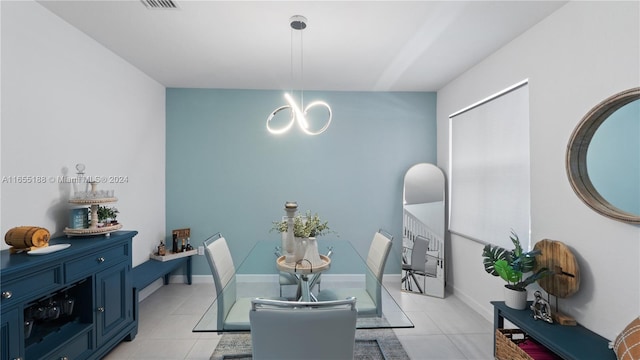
x=160 y=4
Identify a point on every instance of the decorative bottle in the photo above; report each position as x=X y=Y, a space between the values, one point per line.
x=175 y=244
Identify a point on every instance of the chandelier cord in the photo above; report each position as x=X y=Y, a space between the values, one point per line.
x=293 y=77
x=291 y=62
x=298 y=22
x=301 y=69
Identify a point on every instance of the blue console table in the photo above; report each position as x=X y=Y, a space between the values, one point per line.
x=75 y=303
x=568 y=342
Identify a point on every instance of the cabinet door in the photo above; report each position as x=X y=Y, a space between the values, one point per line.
x=113 y=301
x=10 y=335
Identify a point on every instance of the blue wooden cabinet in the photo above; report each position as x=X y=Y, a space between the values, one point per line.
x=568 y=342
x=76 y=303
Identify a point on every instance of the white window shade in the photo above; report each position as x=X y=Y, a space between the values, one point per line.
x=489 y=175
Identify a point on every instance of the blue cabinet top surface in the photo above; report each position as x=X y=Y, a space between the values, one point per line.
x=22 y=262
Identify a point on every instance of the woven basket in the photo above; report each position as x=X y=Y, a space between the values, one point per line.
x=507 y=348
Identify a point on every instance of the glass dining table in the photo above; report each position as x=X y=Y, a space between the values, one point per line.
x=258 y=276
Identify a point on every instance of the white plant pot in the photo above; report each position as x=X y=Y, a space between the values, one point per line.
x=515 y=299
x=311 y=253
x=300 y=248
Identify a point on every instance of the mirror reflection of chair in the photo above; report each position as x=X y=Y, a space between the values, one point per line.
x=303 y=330
x=369 y=298
x=423 y=214
x=233 y=313
x=421 y=265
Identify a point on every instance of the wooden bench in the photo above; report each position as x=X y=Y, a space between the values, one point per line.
x=151 y=270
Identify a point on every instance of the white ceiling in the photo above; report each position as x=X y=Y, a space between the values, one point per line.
x=348 y=45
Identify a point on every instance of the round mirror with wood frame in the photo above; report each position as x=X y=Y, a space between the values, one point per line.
x=576 y=159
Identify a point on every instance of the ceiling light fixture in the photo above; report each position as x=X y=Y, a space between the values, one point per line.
x=299 y=113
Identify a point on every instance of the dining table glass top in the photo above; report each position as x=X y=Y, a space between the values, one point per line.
x=258 y=276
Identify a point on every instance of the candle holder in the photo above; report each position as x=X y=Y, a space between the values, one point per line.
x=288 y=244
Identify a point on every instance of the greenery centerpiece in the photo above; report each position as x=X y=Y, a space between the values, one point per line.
x=511 y=265
x=305 y=230
x=304 y=226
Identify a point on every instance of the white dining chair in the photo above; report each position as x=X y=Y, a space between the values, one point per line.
x=233 y=312
x=369 y=298
x=286 y=330
x=418 y=264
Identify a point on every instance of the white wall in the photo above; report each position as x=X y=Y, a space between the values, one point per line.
x=578 y=56
x=67 y=100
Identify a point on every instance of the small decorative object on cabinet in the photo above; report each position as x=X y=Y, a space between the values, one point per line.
x=541 y=308
x=564 y=279
x=72 y=304
x=510 y=265
x=95 y=199
x=26 y=238
x=181 y=240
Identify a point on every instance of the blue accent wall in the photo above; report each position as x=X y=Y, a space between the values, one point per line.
x=226 y=173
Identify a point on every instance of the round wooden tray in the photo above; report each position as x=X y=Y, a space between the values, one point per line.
x=303 y=267
x=92 y=231
x=91 y=201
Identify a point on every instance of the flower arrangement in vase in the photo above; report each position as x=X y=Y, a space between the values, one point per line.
x=306 y=226
x=305 y=230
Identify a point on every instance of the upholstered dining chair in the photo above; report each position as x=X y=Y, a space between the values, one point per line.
x=233 y=312
x=369 y=298
x=303 y=330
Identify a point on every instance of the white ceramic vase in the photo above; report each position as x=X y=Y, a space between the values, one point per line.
x=515 y=299
x=311 y=252
x=300 y=248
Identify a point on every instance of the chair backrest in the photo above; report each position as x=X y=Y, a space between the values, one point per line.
x=303 y=330
x=419 y=254
x=376 y=260
x=223 y=271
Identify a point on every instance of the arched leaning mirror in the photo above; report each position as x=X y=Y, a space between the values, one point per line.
x=603 y=157
x=423 y=230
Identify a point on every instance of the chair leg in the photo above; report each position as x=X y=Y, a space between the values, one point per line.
x=417 y=283
x=406 y=281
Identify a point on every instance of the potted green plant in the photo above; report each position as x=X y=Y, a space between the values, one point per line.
x=511 y=265
x=107 y=215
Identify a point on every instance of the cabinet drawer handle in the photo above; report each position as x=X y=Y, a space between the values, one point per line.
x=101 y=309
x=7 y=294
x=100 y=259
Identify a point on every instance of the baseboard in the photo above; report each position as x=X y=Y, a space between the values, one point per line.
x=469 y=301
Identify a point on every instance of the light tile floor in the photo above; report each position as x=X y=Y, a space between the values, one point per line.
x=444 y=328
